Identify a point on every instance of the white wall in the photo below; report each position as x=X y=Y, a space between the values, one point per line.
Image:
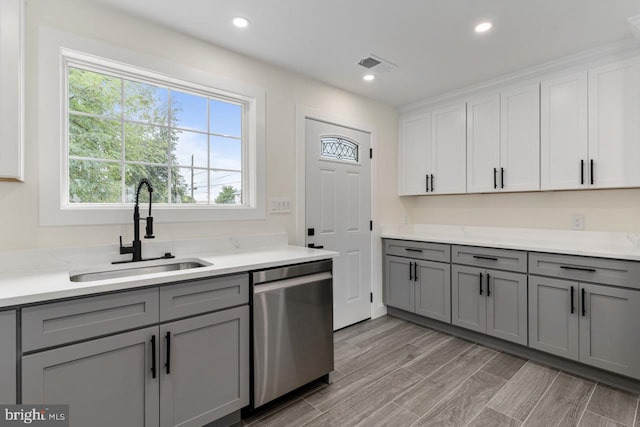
x=19 y=228
x=603 y=210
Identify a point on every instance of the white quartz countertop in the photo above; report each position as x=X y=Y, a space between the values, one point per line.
x=26 y=286
x=586 y=243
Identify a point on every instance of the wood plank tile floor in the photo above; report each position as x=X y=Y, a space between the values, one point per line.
x=393 y=373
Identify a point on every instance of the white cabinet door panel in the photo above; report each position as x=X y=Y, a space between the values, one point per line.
x=448 y=148
x=415 y=154
x=520 y=139
x=483 y=144
x=614 y=128
x=563 y=138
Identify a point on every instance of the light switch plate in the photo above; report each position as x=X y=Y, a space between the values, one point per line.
x=278 y=205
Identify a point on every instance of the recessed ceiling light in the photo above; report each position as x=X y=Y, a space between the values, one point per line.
x=368 y=77
x=240 y=22
x=483 y=27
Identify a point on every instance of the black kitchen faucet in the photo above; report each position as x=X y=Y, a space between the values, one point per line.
x=136 y=247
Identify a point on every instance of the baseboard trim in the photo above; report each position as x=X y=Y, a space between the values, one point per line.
x=569 y=366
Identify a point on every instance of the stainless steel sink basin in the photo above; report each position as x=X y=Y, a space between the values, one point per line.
x=135 y=271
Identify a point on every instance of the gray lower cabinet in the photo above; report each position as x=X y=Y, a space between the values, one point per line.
x=205 y=368
x=490 y=301
x=106 y=382
x=8 y=357
x=418 y=286
x=399 y=289
x=433 y=290
x=591 y=323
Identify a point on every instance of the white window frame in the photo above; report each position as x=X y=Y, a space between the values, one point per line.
x=56 y=48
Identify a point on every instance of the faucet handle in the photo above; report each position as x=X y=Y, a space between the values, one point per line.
x=149 y=228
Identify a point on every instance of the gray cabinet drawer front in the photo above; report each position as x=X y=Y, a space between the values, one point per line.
x=62 y=322
x=418 y=250
x=500 y=259
x=202 y=296
x=585 y=269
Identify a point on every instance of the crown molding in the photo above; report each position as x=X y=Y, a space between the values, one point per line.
x=591 y=57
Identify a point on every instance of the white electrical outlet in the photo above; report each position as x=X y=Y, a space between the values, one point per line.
x=577 y=222
x=279 y=205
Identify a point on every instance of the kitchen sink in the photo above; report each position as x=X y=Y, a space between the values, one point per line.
x=137 y=270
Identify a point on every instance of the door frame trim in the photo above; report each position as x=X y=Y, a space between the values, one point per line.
x=302 y=114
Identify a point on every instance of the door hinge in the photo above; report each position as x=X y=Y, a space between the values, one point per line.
x=371 y=153
x=370 y=225
x=371 y=296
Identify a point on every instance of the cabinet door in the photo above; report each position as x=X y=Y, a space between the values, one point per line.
x=520 y=139
x=468 y=302
x=12 y=51
x=507 y=306
x=483 y=144
x=205 y=367
x=609 y=336
x=399 y=290
x=433 y=290
x=563 y=137
x=614 y=128
x=553 y=327
x=106 y=382
x=414 y=154
x=448 y=150
x=8 y=357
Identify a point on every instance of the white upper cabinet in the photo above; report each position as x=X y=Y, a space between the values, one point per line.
x=614 y=125
x=414 y=154
x=11 y=88
x=503 y=141
x=520 y=139
x=433 y=152
x=483 y=144
x=447 y=174
x=563 y=138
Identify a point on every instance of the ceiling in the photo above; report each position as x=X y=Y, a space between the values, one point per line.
x=432 y=41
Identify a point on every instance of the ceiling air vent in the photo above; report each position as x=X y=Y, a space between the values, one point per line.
x=377 y=64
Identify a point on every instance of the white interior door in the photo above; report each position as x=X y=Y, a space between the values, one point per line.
x=338 y=210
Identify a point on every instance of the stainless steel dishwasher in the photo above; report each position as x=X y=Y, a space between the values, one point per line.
x=292 y=328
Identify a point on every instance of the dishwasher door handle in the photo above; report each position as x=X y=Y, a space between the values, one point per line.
x=290 y=283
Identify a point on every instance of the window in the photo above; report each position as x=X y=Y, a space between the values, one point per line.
x=111 y=116
x=337 y=148
x=188 y=144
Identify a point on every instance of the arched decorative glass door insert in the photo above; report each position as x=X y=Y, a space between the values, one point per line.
x=337 y=148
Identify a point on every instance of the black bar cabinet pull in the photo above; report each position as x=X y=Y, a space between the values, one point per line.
x=411 y=271
x=480 y=283
x=581 y=172
x=584 y=310
x=432 y=183
x=427 y=184
x=153 y=356
x=488 y=285
x=501 y=177
x=570 y=267
x=495 y=182
x=490 y=258
x=314 y=246
x=167 y=364
x=591 y=171
x=415 y=271
x=573 y=307
x=413 y=250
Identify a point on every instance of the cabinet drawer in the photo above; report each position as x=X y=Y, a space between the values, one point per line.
x=418 y=250
x=62 y=322
x=201 y=296
x=585 y=269
x=500 y=259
